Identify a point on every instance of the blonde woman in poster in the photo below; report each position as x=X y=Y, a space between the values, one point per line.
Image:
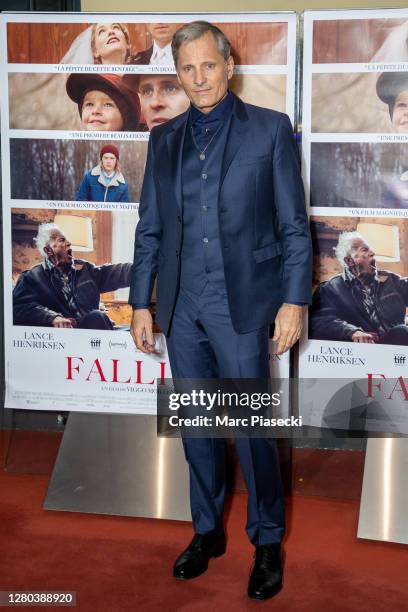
x=348 y=102
x=101 y=43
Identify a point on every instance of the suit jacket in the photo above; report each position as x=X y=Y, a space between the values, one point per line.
x=143 y=57
x=264 y=229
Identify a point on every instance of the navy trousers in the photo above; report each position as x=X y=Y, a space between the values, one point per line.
x=203 y=344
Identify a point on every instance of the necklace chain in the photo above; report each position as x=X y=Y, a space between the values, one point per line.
x=202 y=151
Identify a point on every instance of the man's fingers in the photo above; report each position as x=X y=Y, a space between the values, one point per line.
x=287 y=339
x=149 y=336
x=276 y=331
x=140 y=340
x=283 y=339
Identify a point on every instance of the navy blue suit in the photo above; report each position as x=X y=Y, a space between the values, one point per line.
x=228 y=238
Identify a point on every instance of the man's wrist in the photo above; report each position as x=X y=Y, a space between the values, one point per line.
x=301 y=304
x=140 y=306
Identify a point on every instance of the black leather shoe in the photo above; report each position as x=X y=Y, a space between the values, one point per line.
x=267 y=574
x=194 y=560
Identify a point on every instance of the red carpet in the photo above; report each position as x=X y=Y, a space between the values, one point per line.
x=118 y=564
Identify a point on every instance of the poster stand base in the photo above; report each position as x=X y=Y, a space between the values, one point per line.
x=116 y=464
x=384 y=498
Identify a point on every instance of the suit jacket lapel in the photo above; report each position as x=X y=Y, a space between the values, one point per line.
x=238 y=129
x=175 y=142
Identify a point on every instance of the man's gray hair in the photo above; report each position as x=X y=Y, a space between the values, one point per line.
x=197 y=29
x=45 y=231
x=344 y=245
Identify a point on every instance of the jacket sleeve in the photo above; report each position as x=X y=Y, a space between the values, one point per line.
x=111 y=277
x=324 y=322
x=125 y=194
x=27 y=308
x=147 y=237
x=82 y=195
x=292 y=218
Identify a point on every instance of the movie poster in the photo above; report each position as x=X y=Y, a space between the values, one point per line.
x=355 y=135
x=79 y=97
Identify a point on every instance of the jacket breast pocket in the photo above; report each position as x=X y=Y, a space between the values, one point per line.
x=254 y=159
x=267 y=252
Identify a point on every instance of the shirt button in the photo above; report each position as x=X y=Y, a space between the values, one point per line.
x=205 y=207
x=204 y=176
x=205 y=240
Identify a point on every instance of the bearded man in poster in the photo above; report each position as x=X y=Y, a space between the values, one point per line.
x=223 y=226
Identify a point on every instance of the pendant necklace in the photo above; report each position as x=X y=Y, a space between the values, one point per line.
x=202 y=151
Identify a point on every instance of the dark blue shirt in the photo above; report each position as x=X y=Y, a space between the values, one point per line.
x=205 y=126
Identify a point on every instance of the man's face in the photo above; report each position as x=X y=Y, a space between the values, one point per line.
x=58 y=249
x=161 y=98
x=100 y=113
x=203 y=72
x=109 y=39
x=400 y=112
x=108 y=162
x=162 y=33
x=361 y=259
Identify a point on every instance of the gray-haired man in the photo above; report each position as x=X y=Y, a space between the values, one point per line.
x=61 y=292
x=363 y=304
x=224 y=227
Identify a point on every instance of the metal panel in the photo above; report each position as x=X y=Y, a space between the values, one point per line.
x=116 y=464
x=384 y=499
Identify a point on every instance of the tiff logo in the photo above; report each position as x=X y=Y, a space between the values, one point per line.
x=399 y=359
x=95 y=343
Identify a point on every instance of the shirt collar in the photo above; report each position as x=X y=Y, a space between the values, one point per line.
x=159 y=54
x=48 y=265
x=349 y=276
x=220 y=113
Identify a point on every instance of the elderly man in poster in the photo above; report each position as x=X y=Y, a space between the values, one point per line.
x=63 y=292
x=224 y=227
x=363 y=304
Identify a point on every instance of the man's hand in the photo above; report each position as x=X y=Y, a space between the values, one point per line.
x=141 y=329
x=288 y=327
x=61 y=322
x=364 y=337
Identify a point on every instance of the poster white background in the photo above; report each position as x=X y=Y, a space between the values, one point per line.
x=87 y=370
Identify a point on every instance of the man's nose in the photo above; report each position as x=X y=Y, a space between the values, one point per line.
x=157 y=99
x=199 y=77
x=68 y=243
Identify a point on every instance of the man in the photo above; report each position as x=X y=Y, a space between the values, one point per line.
x=363 y=304
x=222 y=221
x=159 y=54
x=61 y=292
x=161 y=96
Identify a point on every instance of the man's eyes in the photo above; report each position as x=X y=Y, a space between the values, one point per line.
x=146 y=91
